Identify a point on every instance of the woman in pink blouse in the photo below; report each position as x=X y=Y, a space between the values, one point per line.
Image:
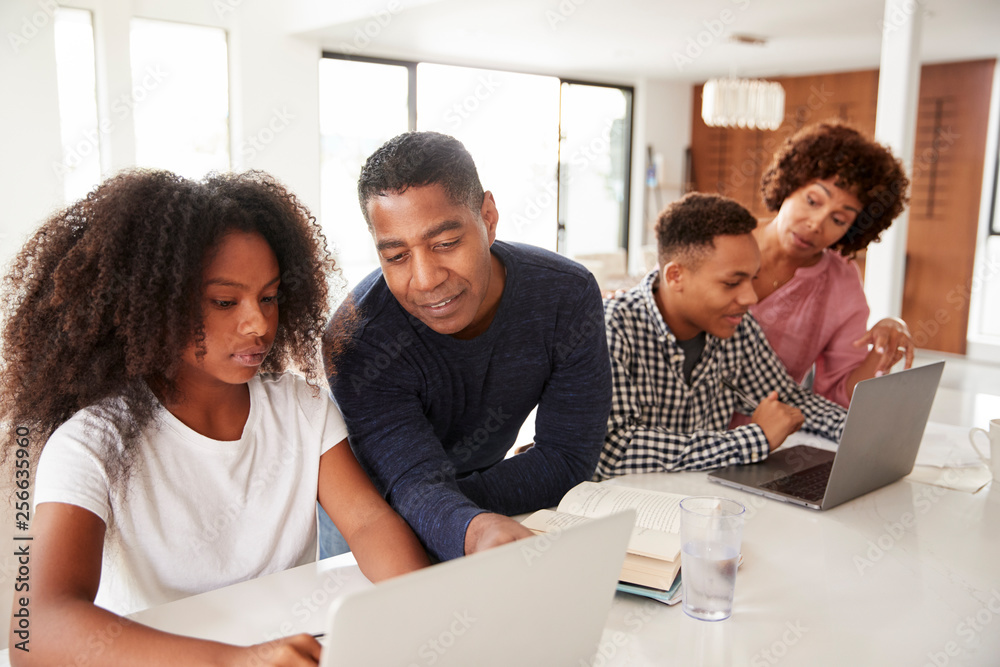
x=834 y=192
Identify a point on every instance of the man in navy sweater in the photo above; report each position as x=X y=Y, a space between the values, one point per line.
x=437 y=358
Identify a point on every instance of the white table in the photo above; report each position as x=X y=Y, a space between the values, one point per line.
x=906 y=575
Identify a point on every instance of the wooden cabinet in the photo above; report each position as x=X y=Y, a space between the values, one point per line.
x=947 y=176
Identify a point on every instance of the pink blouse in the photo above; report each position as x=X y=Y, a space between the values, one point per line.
x=814 y=318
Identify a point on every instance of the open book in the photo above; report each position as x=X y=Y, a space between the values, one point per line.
x=654 y=551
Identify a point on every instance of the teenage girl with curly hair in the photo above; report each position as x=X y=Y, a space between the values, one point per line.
x=834 y=192
x=149 y=333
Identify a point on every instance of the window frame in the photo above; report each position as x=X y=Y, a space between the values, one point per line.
x=411 y=66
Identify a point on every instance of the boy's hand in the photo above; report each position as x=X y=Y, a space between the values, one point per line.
x=777 y=420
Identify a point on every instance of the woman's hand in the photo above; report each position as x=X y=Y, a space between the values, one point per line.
x=890 y=338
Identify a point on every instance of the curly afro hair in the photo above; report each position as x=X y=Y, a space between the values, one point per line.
x=102 y=300
x=861 y=166
x=688 y=226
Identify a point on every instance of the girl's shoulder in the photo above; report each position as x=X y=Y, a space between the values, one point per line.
x=287 y=394
x=96 y=426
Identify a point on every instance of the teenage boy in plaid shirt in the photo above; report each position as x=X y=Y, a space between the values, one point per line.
x=674 y=338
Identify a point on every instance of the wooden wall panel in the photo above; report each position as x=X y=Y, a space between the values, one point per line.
x=947 y=177
x=731 y=161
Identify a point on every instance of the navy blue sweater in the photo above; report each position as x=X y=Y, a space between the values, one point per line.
x=431 y=416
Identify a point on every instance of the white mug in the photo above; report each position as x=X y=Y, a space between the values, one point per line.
x=993 y=460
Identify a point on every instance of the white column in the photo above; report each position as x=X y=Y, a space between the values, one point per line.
x=895 y=127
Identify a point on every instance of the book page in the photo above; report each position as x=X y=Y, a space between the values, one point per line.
x=543 y=521
x=656 y=510
x=644 y=541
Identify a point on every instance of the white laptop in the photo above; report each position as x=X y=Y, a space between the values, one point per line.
x=882 y=433
x=538 y=601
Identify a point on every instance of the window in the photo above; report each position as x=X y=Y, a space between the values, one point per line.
x=180 y=97
x=80 y=167
x=594 y=170
x=568 y=194
x=361 y=106
x=509 y=122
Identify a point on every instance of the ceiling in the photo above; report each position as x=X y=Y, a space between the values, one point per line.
x=623 y=40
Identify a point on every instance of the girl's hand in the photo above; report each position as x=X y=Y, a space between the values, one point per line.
x=295 y=651
x=891 y=339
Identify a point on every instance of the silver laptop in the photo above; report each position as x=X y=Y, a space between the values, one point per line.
x=538 y=601
x=882 y=434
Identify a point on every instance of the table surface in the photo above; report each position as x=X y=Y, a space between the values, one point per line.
x=906 y=575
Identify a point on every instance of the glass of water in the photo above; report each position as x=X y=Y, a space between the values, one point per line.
x=711 y=531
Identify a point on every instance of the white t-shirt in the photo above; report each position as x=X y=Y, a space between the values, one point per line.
x=199 y=513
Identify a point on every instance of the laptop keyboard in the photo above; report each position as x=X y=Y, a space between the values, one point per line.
x=808 y=484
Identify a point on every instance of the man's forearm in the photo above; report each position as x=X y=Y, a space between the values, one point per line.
x=535 y=479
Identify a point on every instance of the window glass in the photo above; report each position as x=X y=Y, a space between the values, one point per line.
x=509 y=122
x=593 y=169
x=180 y=97
x=80 y=167
x=362 y=105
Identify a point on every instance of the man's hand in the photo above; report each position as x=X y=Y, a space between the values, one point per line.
x=491 y=530
x=777 y=420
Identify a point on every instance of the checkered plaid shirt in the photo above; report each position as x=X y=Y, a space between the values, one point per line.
x=660 y=423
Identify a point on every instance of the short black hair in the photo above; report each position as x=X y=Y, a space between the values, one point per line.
x=415 y=159
x=690 y=224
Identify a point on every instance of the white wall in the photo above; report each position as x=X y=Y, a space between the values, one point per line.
x=29 y=118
